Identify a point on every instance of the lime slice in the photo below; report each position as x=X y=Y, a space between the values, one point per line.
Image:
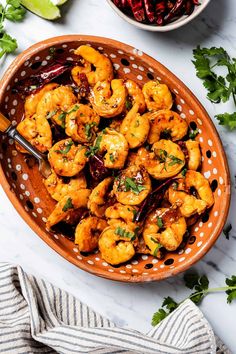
x=43 y=8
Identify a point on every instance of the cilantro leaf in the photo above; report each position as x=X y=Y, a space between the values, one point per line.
x=159 y=222
x=170 y=305
x=159 y=316
x=227 y=119
x=67 y=148
x=68 y=205
x=7 y=44
x=231 y=282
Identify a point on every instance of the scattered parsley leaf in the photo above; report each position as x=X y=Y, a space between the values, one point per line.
x=227 y=230
x=231 y=282
x=193 y=133
x=159 y=222
x=170 y=305
x=183 y=172
x=62 y=118
x=123 y=233
x=67 y=148
x=175 y=160
x=12 y=11
x=7 y=44
x=227 y=119
x=94 y=149
x=130 y=184
x=200 y=285
x=128 y=105
x=88 y=129
x=68 y=205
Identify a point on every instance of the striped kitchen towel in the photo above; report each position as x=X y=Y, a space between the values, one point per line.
x=36 y=317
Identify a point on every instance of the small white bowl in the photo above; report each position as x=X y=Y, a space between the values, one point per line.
x=169 y=27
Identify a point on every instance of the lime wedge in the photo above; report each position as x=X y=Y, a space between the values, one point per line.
x=43 y=8
x=58 y=2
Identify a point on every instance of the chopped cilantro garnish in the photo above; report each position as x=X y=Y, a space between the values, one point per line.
x=159 y=222
x=68 y=205
x=67 y=147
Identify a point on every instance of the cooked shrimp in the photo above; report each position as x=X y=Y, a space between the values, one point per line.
x=97 y=203
x=37 y=131
x=31 y=102
x=194 y=154
x=85 y=68
x=68 y=204
x=108 y=98
x=120 y=211
x=132 y=186
x=135 y=127
x=188 y=204
x=82 y=123
x=202 y=186
x=66 y=158
x=165 y=160
x=55 y=103
x=59 y=187
x=171 y=236
x=87 y=233
x=157 y=96
x=115 y=147
x=116 y=249
x=136 y=95
x=167 y=122
x=103 y=66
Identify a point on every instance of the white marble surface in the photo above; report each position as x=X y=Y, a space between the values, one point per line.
x=132 y=305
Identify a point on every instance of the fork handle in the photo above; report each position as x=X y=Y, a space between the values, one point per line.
x=4 y=123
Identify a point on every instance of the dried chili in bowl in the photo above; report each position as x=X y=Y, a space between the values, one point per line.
x=159 y=12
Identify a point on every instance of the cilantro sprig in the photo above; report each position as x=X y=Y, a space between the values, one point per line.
x=220 y=88
x=12 y=11
x=200 y=286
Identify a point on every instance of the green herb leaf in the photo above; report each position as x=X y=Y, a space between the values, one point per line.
x=228 y=120
x=94 y=149
x=227 y=230
x=159 y=316
x=231 y=282
x=62 y=118
x=68 y=205
x=128 y=105
x=123 y=233
x=175 y=160
x=74 y=109
x=170 y=305
x=193 y=133
x=131 y=184
x=183 y=172
x=67 y=147
x=88 y=129
x=159 y=222
x=7 y=44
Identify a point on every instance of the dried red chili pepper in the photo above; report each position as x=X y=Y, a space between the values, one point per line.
x=189 y=7
x=174 y=11
x=149 y=8
x=137 y=9
x=35 y=82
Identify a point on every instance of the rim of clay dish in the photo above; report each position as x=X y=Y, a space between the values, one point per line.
x=169 y=27
x=18 y=62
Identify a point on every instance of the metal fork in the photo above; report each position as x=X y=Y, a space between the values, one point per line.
x=7 y=128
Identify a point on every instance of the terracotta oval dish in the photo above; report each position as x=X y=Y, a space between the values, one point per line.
x=22 y=181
